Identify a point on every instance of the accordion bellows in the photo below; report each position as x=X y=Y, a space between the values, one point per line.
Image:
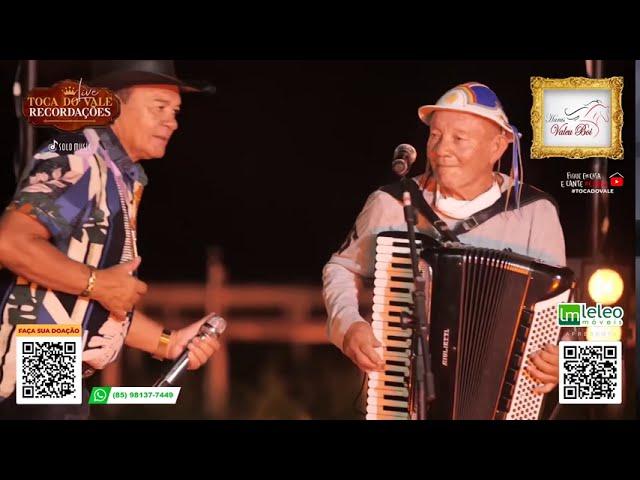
x=487 y=310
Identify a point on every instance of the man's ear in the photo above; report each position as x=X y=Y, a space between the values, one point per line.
x=499 y=145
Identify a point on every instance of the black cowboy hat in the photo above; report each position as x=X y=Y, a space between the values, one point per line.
x=117 y=74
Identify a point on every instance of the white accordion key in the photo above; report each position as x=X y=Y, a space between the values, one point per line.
x=386 y=293
x=391 y=249
x=398 y=241
x=390 y=258
x=381 y=414
x=403 y=274
x=382 y=377
x=384 y=308
x=379 y=389
x=393 y=270
x=377 y=401
x=385 y=376
x=388 y=343
x=396 y=343
x=395 y=357
x=380 y=303
x=395 y=368
x=386 y=282
x=385 y=317
x=385 y=329
x=391 y=323
x=384 y=413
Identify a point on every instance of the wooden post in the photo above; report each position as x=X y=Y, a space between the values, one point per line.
x=300 y=311
x=216 y=383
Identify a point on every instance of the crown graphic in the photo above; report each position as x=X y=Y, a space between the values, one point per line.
x=69 y=90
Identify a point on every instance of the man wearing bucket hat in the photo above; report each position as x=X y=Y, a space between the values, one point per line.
x=469 y=133
x=68 y=238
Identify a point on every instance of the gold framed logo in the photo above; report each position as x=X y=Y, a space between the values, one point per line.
x=577 y=117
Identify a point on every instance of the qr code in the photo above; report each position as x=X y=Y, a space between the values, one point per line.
x=590 y=372
x=48 y=370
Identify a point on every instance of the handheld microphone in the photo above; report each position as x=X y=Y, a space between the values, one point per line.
x=403 y=157
x=213 y=326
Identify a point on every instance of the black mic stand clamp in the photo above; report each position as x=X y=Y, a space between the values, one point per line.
x=422 y=388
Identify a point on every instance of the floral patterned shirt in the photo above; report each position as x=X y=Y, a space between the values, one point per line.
x=87 y=199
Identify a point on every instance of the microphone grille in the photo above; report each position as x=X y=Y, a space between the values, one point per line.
x=406 y=151
x=215 y=324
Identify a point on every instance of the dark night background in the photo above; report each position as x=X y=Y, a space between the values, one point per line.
x=277 y=164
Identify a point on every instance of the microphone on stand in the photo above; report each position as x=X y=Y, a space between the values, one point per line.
x=423 y=388
x=403 y=157
x=213 y=326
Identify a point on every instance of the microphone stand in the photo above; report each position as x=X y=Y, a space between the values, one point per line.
x=424 y=391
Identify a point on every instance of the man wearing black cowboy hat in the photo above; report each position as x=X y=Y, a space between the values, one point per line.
x=68 y=239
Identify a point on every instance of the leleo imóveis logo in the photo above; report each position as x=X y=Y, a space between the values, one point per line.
x=580 y=315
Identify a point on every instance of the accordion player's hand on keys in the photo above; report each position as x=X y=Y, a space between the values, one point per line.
x=544 y=367
x=360 y=344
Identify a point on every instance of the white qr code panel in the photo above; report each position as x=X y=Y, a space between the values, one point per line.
x=590 y=372
x=48 y=370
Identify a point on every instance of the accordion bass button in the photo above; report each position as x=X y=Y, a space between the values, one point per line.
x=516 y=361
x=526 y=318
x=523 y=332
x=508 y=389
x=504 y=404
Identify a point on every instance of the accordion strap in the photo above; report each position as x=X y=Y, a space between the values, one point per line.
x=505 y=203
x=396 y=190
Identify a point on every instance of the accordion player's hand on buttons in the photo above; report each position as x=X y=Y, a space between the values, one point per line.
x=360 y=346
x=544 y=367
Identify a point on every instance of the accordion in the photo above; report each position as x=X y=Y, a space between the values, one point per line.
x=488 y=310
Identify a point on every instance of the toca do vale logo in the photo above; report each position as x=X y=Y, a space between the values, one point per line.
x=70 y=106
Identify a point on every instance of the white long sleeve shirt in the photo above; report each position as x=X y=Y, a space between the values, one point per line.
x=533 y=230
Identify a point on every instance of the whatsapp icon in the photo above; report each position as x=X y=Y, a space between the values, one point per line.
x=99 y=395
